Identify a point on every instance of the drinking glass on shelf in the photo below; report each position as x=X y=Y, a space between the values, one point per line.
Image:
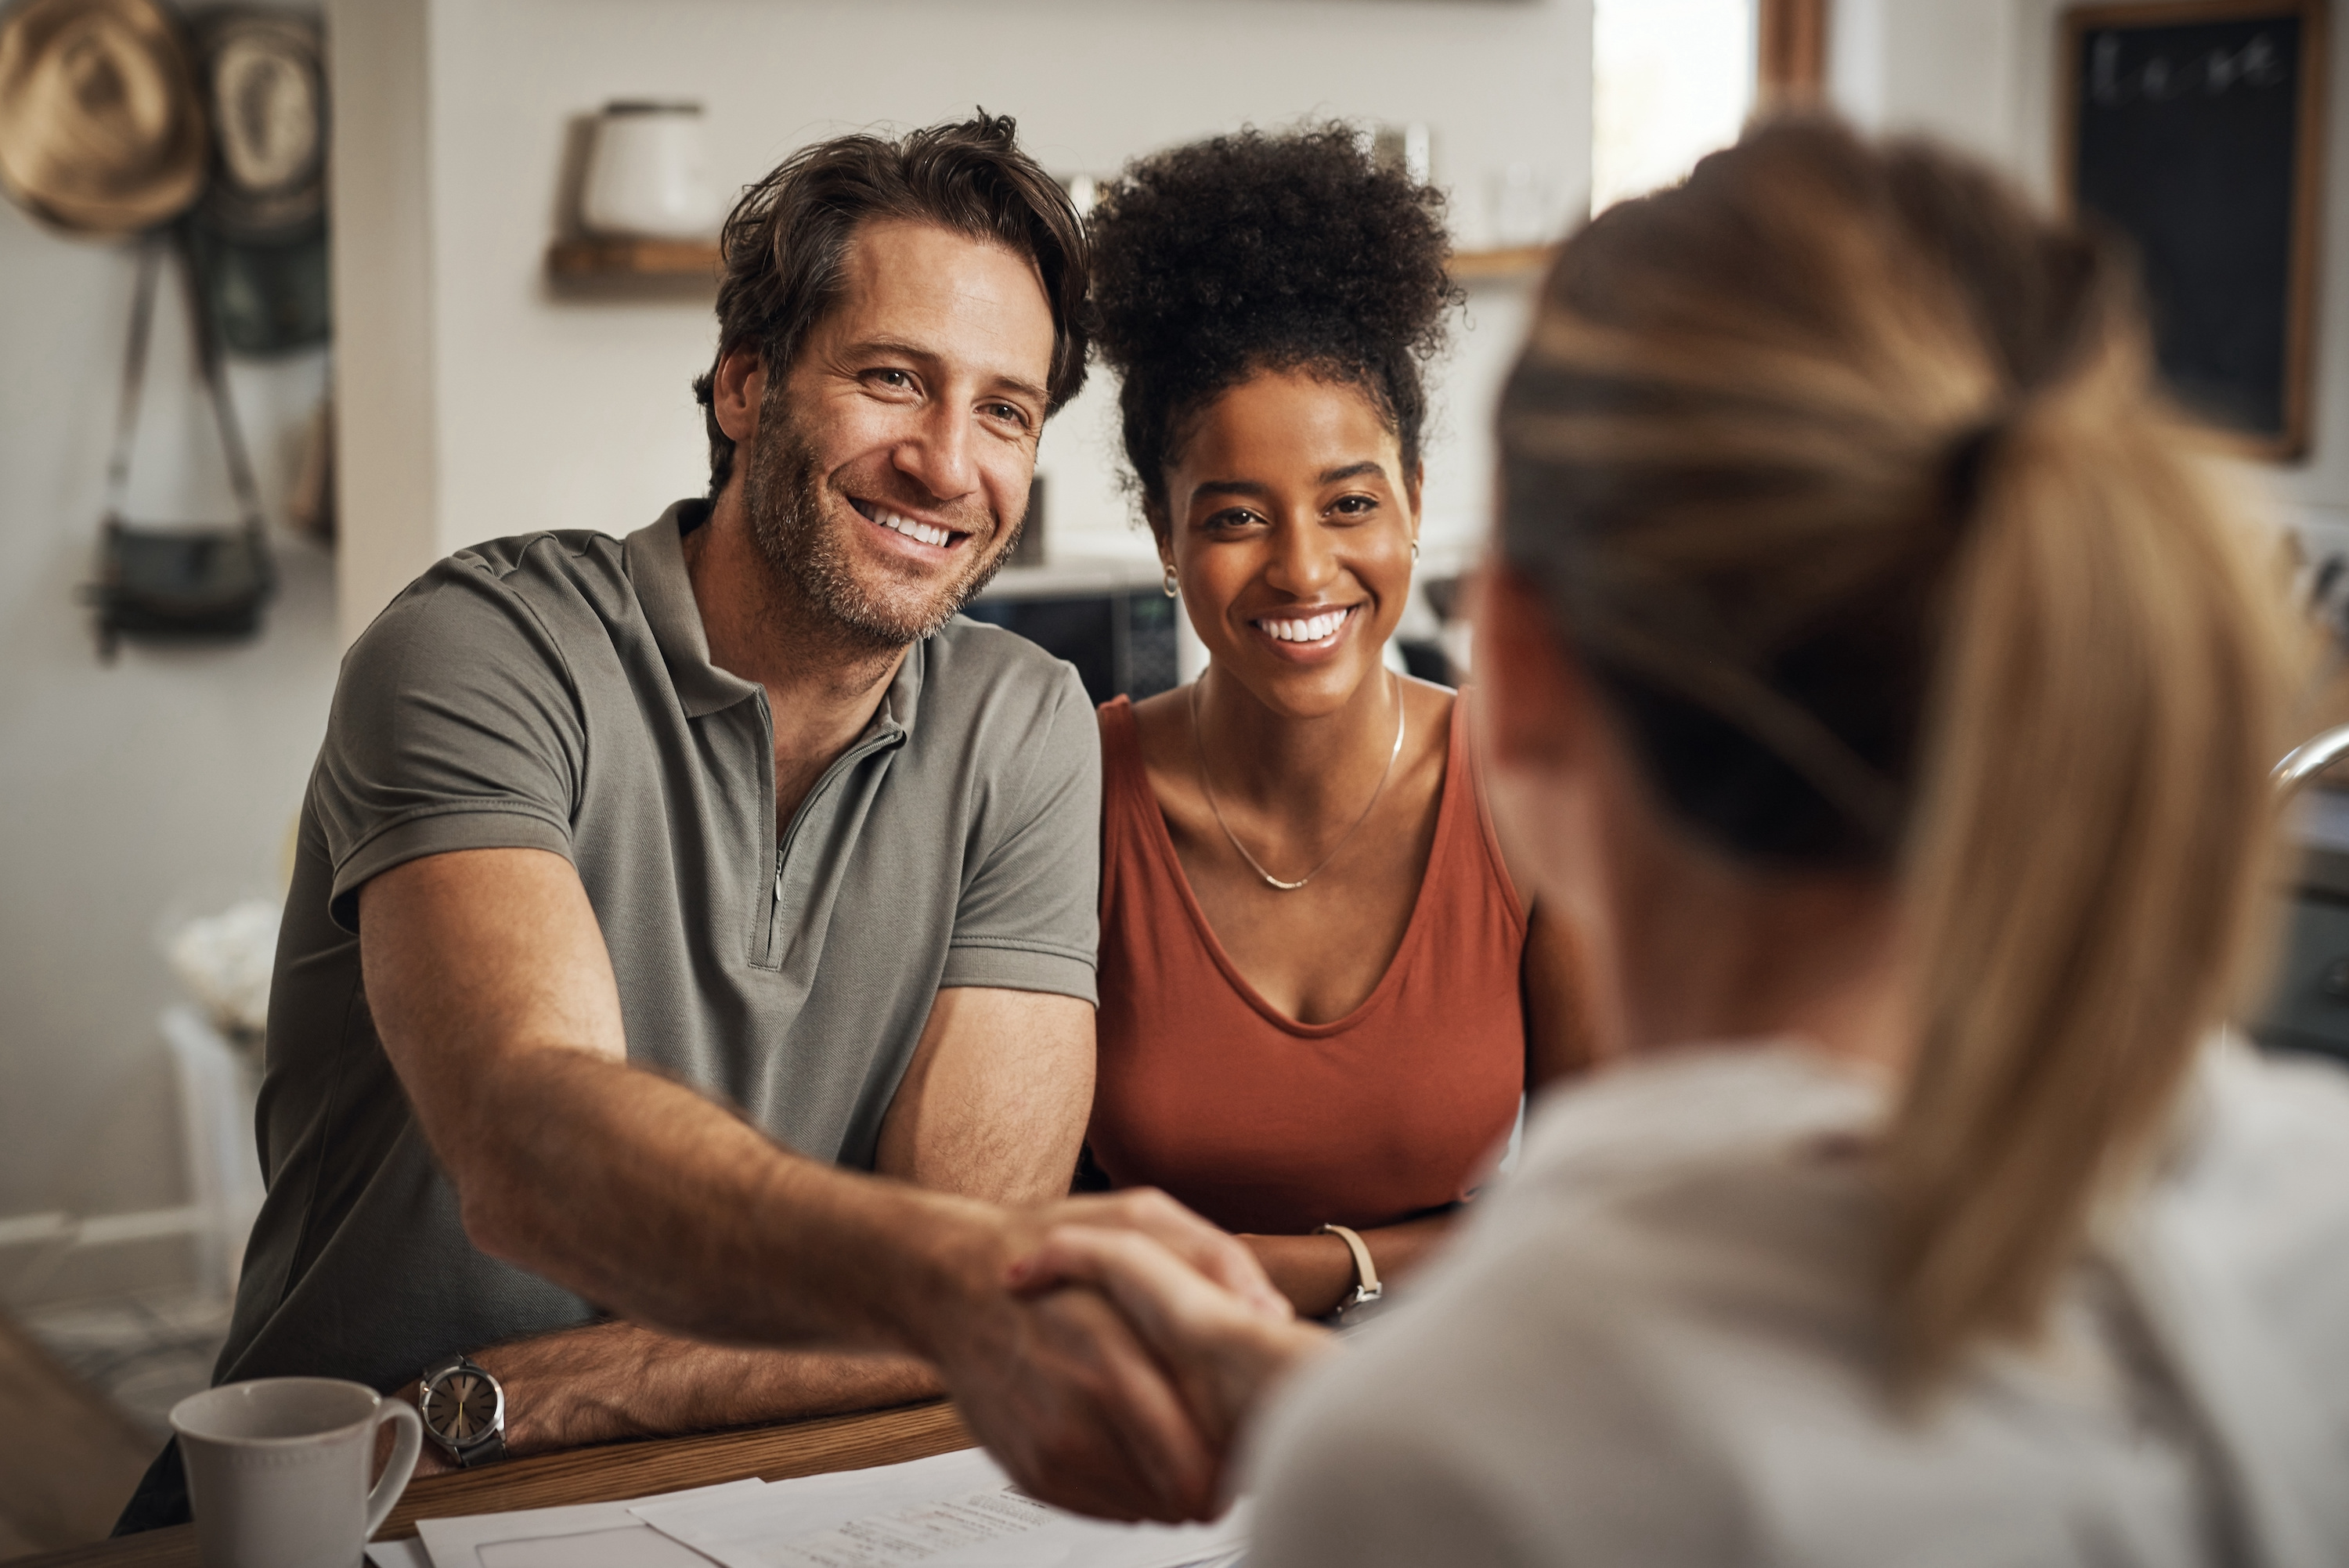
x=648 y=175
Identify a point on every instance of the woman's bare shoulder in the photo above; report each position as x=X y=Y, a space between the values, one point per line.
x=1427 y=712
x=1162 y=731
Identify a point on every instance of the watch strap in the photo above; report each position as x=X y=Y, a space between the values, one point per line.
x=1366 y=1273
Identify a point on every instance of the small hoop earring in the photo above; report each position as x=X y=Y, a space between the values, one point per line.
x=1168 y=582
x=1414 y=550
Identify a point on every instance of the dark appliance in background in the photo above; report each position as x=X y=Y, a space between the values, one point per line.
x=2307 y=999
x=1426 y=658
x=1121 y=644
x=1426 y=661
x=2307 y=1005
x=1118 y=633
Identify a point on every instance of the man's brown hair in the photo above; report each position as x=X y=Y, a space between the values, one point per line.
x=786 y=243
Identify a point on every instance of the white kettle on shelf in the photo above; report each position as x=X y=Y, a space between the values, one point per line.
x=649 y=173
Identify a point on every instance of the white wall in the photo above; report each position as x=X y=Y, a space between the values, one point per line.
x=380 y=187
x=1983 y=74
x=533 y=409
x=1946 y=66
x=159 y=788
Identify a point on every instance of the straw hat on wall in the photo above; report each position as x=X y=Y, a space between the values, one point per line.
x=258 y=239
x=266 y=87
x=101 y=131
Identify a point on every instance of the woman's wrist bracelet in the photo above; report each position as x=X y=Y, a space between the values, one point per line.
x=1366 y=1273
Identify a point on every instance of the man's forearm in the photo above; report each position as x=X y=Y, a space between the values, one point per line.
x=614 y=1380
x=642 y=1195
x=493 y=996
x=677 y=1214
x=491 y=989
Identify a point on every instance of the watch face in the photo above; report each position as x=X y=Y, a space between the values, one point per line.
x=460 y=1406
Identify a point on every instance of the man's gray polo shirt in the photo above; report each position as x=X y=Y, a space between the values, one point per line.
x=554 y=691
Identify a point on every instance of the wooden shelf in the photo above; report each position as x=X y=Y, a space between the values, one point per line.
x=633 y=259
x=1526 y=262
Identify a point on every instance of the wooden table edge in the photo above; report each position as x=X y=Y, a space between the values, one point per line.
x=609 y=1473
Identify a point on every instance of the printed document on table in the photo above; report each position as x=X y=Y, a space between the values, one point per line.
x=955 y=1510
x=586 y=1535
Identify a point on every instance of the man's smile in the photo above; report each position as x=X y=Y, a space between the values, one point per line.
x=885 y=516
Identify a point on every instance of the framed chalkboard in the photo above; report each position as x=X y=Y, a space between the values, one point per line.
x=2195 y=129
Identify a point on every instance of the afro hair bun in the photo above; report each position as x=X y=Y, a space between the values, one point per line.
x=1253 y=252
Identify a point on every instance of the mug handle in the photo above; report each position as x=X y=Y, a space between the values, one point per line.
x=407 y=1444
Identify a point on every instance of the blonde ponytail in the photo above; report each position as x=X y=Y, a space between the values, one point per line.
x=2085 y=866
x=1847 y=477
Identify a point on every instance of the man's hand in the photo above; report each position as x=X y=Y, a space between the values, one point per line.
x=1060 y=1391
x=1057 y=1386
x=1222 y=1331
x=1215 y=1255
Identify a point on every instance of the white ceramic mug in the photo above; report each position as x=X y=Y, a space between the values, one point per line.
x=277 y=1469
x=648 y=175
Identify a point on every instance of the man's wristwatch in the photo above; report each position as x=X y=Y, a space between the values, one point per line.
x=464 y=1408
x=1366 y=1273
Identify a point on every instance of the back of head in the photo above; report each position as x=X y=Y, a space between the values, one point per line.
x=1254 y=253
x=1846 y=477
x=785 y=244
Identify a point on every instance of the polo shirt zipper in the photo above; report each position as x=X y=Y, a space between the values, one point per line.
x=849 y=759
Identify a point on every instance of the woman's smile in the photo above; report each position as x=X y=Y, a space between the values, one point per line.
x=1307 y=633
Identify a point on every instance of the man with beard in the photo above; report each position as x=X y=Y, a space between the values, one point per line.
x=652 y=893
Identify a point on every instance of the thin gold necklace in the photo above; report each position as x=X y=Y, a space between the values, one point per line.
x=1199 y=746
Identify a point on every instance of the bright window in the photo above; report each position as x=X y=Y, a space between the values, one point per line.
x=1673 y=80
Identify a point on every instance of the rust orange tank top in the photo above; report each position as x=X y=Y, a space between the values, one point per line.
x=1265 y=1124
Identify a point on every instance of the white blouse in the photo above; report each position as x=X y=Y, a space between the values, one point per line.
x=1661 y=1342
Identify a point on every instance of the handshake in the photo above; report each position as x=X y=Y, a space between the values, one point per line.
x=1114 y=1355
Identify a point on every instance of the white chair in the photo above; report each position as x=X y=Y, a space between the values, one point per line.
x=217 y=1090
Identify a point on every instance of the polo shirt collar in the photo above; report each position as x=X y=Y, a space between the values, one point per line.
x=655 y=558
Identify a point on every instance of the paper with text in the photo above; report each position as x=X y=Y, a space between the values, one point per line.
x=955 y=1511
x=585 y=1535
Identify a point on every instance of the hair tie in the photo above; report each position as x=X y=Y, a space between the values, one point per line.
x=1968 y=463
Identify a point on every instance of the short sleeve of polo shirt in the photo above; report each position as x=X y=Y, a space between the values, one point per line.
x=455 y=727
x=1028 y=916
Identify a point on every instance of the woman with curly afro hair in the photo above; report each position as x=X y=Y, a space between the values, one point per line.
x=1321 y=992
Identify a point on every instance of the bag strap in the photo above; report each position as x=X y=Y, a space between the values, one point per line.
x=152 y=251
x=208 y=360
x=134 y=378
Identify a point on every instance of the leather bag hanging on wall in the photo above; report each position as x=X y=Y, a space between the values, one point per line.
x=178 y=585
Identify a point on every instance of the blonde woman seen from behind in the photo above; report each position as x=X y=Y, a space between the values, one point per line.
x=1891 y=694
